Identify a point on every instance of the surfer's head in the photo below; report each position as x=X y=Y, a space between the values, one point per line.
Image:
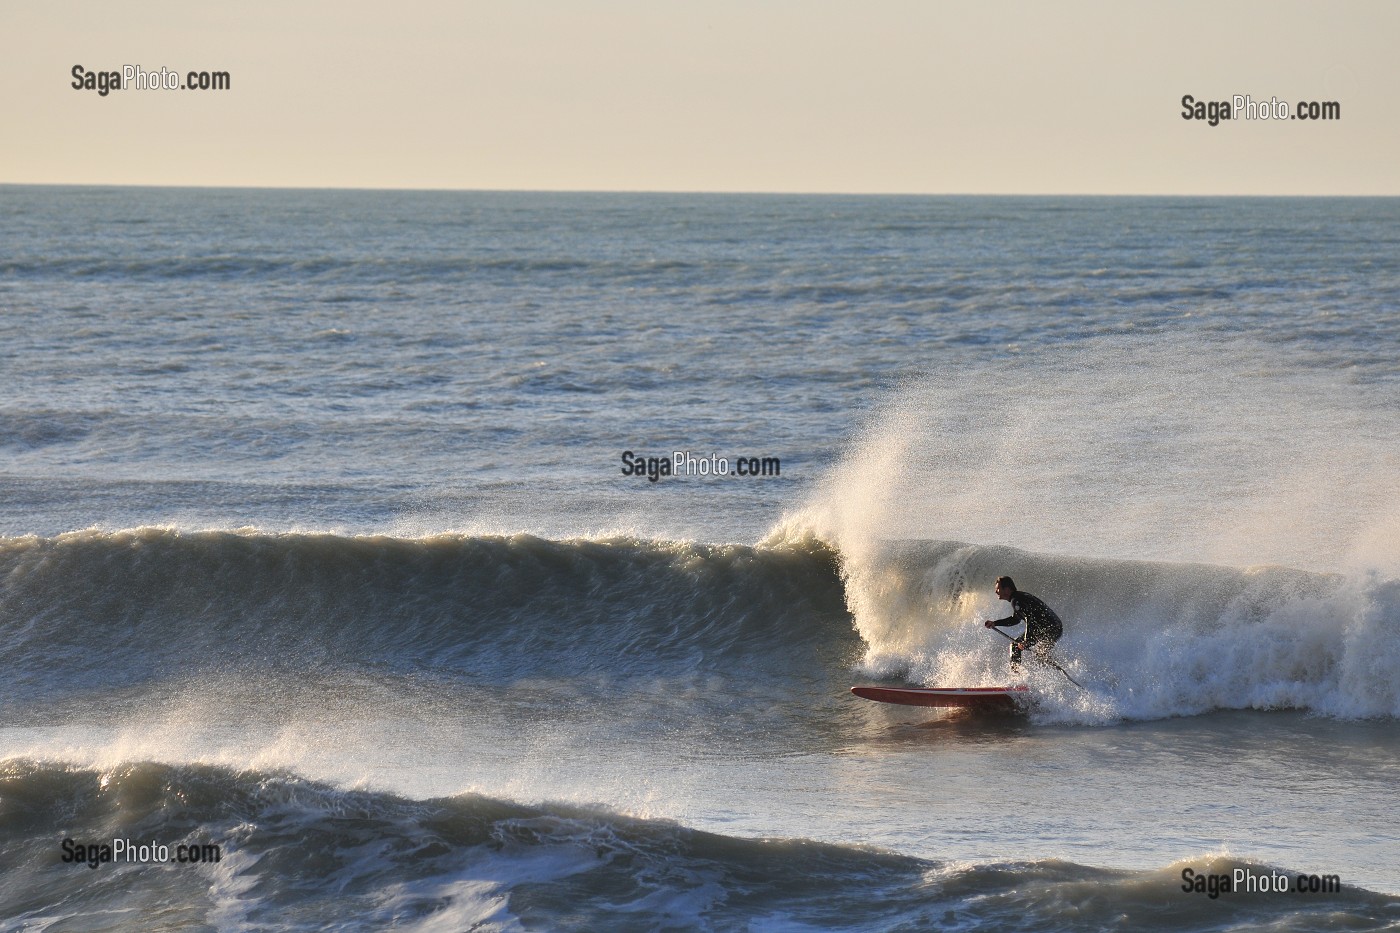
x=1005 y=587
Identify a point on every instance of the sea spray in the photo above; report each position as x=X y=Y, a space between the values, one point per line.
x=1192 y=515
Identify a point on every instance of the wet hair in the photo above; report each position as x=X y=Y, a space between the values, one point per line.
x=1010 y=583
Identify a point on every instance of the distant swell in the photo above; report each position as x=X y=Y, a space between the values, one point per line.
x=471 y=862
x=337 y=269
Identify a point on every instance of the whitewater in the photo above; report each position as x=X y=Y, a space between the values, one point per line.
x=315 y=545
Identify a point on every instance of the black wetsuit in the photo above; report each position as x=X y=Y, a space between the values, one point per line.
x=1043 y=627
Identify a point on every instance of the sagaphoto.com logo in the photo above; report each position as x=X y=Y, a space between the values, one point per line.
x=1245 y=107
x=133 y=77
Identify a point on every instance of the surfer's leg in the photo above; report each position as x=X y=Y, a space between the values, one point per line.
x=1015 y=656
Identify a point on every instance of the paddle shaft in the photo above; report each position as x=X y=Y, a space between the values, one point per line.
x=1047 y=659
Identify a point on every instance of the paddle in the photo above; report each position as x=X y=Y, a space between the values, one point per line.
x=1048 y=660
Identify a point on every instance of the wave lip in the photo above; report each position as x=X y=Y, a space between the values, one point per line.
x=1150 y=639
x=299 y=855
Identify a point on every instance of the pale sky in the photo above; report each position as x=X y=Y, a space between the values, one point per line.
x=1080 y=97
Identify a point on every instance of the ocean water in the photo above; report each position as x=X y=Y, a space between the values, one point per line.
x=316 y=545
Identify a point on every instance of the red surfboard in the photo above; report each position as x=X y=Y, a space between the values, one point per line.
x=1003 y=699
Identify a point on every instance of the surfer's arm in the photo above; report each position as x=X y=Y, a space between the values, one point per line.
x=1003 y=623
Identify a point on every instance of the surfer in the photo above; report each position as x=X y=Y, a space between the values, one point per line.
x=1043 y=627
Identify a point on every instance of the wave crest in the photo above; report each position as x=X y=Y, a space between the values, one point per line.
x=309 y=856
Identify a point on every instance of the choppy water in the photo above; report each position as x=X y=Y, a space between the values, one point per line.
x=316 y=545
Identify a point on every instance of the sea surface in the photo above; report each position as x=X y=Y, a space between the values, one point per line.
x=319 y=544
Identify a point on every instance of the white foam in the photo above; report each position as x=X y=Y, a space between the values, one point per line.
x=1057 y=465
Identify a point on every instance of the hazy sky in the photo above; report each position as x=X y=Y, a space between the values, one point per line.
x=874 y=96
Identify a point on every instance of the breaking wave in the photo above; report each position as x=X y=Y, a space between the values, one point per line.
x=299 y=855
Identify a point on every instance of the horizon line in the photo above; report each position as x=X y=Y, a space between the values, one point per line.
x=680 y=191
